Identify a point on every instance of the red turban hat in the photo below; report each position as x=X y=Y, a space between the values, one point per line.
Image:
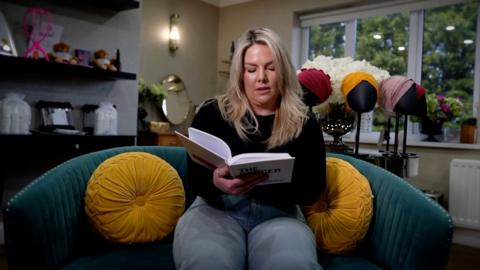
x=420 y=91
x=317 y=81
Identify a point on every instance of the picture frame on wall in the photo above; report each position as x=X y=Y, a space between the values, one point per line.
x=7 y=45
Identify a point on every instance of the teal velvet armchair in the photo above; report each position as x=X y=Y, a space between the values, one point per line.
x=46 y=227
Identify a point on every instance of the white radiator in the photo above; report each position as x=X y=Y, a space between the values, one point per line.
x=464 y=195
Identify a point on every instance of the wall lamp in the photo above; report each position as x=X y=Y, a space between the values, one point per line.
x=174 y=35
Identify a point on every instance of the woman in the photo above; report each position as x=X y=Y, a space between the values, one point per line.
x=235 y=223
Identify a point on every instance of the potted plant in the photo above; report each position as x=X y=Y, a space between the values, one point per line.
x=151 y=93
x=150 y=97
x=440 y=110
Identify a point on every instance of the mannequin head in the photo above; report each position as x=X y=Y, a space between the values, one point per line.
x=362 y=97
x=407 y=104
x=393 y=90
x=309 y=98
x=421 y=110
x=316 y=86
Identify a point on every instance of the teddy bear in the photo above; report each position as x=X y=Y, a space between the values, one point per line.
x=61 y=54
x=101 y=61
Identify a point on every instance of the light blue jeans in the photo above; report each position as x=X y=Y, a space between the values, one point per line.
x=247 y=235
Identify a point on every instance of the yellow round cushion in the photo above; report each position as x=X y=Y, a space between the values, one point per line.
x=341 y=217
x=134 y=197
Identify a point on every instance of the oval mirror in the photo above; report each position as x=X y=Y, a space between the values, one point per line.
x=176 y=104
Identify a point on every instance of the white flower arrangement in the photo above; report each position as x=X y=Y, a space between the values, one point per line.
x=337 y=69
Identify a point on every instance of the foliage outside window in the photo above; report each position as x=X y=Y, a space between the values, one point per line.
x=449 y=53
x=447 y=64
x=383 y=41
x=328 y=40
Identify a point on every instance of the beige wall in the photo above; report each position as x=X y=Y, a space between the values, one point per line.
x=195 y=60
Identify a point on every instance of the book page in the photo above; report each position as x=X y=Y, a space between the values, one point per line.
x=199 y=154
x=206 y=150
x=255 y=157
x=210 y=142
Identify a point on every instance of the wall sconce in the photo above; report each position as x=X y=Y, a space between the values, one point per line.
x=174 y=35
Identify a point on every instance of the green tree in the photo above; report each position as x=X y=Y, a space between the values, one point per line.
x=327 y=39
x=448 y=56
x=388 y=52
x=384 y=52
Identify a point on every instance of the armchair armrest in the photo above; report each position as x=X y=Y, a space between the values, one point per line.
x=45 y=224
x=408 y=230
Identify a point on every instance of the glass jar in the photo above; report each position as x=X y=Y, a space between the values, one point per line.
x=105 y=119
x=16 y=114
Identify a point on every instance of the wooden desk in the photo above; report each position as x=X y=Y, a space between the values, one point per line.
x=168 y=139
x=164 y=139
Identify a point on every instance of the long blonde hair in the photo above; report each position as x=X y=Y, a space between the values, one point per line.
x=291 y=113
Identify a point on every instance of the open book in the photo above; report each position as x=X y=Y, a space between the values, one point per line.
x=212 y=152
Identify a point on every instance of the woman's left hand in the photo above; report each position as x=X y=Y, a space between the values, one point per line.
x=238 y=185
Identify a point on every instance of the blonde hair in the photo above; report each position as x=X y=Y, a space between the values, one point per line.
x=291 y=113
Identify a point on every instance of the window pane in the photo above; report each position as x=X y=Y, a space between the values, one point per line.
x=383 y=41
x=449 y=52
x=327 y=39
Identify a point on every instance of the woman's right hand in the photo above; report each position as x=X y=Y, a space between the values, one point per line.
x=239 y=185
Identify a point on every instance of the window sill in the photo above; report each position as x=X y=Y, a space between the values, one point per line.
x=412 y=141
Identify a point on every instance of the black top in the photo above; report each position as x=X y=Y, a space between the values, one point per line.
x=309 y=173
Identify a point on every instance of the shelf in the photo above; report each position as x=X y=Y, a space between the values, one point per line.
x=21 y=65
x=224 y=73
x=117 y=5
x=61 y=144
x=113 y=5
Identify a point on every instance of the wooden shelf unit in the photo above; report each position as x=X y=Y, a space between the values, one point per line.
x=21 y=65
x=164 y=139
x=113 y=5
x=116 y=5
x=61 y=143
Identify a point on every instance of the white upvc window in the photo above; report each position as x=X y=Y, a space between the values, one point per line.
x=422 y=40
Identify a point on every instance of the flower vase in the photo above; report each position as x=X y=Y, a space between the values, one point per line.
x=338 y=122
x=431 y=128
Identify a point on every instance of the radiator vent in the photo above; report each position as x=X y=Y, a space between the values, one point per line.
x=464 y=195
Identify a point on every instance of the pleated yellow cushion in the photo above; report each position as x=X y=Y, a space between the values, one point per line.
x=342 y=215
x=134 y=197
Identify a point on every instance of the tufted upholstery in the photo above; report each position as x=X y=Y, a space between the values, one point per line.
x=46 y=226
x=408 y=230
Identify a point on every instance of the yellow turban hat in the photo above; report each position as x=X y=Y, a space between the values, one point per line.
x=354 y=78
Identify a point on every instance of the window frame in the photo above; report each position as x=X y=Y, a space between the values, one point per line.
x=415 y=52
